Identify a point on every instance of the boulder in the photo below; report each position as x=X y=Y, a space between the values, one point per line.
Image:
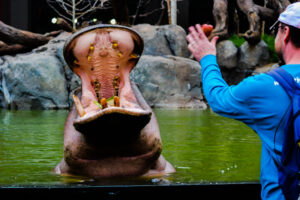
x=41 y=79
x=227 y=54
x=266 y=68
x=253 y=56
x=35 y=80
x=169 y=82
x=163 y=40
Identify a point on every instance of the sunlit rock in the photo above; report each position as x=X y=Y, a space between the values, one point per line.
x=163 y=40
x=227 y=54
x=169 y=82
x=252 y=56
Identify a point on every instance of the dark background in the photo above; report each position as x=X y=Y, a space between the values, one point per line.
x=36 y=15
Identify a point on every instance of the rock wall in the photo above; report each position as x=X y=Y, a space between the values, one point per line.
x=239 y=63
x=169 y=82
x=35 y=80
x=163 y=40
x=165 y=75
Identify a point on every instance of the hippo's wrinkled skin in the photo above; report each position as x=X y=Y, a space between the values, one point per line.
x=109 y=138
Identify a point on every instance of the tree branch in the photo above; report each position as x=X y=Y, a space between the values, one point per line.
x=11 y=49
x=11 y=35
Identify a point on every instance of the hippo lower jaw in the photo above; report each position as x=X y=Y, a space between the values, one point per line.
x=113 y=119
x=105 y=145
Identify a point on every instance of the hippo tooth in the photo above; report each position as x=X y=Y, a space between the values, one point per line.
x=116 y=101
x=115 y=45
x=103 y=103
x=78 y=105
x=92 y=47
x=120 y=55
x=97 y=87
x=133 y=55
x=115 y=85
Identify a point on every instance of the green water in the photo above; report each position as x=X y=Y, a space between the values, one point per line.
x=202 y=146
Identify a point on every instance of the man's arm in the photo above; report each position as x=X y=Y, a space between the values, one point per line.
x=219 y=95
x=217 y=92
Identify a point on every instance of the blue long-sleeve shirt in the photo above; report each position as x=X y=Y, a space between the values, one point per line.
x=261 y=103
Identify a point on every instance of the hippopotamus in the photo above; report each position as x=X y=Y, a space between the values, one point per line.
x=110 y=130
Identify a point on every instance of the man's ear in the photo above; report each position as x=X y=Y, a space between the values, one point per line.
x=286 y=37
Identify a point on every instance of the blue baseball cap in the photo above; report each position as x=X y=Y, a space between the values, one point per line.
x=291 y=16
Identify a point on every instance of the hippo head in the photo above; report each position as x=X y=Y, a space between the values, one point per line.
x=103 y=56
x=110 y=131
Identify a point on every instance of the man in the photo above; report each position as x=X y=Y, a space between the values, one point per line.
x=258 y=101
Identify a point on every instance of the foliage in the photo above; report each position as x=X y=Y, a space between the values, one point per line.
x=268 y=39
x=237 y=41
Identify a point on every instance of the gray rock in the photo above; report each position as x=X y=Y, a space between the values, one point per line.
x=169 y=82
x=41 y=79
x=227 y=54
x=253 y=56
x=163 y=40
x=266 y=68
x=35 y=80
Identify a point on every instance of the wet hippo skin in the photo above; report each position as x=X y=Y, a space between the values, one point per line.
x=110 y=130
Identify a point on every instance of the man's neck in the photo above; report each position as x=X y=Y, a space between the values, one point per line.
x=291 y=54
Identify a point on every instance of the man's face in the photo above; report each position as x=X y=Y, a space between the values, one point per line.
x=279 y=40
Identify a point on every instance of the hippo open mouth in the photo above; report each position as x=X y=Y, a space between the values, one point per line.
x=103 y=56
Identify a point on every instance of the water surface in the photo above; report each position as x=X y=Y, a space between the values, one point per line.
x=202 y=146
